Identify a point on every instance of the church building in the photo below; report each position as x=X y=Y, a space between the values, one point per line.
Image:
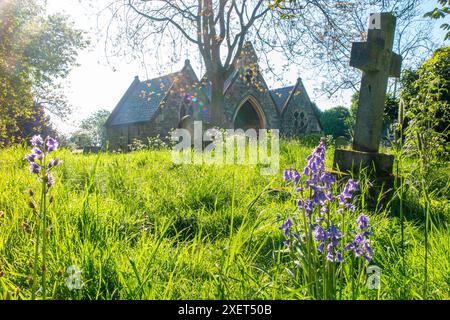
x=155 y=107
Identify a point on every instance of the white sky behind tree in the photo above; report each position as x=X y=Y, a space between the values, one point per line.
x=97 y=84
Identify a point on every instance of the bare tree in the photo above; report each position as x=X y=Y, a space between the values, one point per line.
x=318 y=31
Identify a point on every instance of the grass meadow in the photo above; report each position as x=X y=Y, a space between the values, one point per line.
x=140 y=227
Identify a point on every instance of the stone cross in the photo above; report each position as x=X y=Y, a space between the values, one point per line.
x=377 y=61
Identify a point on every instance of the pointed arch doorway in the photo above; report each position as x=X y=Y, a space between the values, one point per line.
x=249 y=115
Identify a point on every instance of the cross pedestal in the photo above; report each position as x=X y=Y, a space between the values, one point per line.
x=377 y=61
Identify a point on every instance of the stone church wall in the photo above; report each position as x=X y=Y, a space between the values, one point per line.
x=240 y=90
x=299 y=117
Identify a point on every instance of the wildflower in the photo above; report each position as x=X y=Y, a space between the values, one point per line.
x=49 y=180
x=30 y=157
x=363 y=222
x=291 y=174
x=328 y=179
x=37 y=141
x=346 y=194
x=339 y=257
x=53 y=163
x=287 y=175
x=287 y=226
x=334 y=234
x=36 y=153
x=306 y=206
x=35 y=168
x=36 y=157
x=41 y=166
x=52 y=144
x=331 y=236
x=320 y=247
x=350 y=187
x=296 y=176
x=319 y=234
x=360 y=244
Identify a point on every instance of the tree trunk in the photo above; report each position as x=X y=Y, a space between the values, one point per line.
x=217 y=110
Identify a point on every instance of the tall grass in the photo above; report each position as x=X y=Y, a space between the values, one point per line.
x=140 y=227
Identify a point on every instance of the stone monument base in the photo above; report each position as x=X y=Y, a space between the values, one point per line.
x=351 y=161
x=379 y=168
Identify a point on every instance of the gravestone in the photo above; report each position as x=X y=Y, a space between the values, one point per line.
x=377 y=61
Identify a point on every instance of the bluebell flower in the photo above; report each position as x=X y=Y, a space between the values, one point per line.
x=52 y=144
x=319 y=234
x=306 y=206
x=30 y=157
x=319 y=198
x=360 y=244
x=37 y=141
x=291 y=174
x=37 y=153
x=339 y=257
x=296 y=176
x=287 y=175
x=368 y=248
x=327 y=179
x=49 y=180
x=287 y=227
x=320 y=247
x=333 y=236
x=53 y=163
x=334 y=231
x=363 y=222
x=35 y=168
x=324 y=210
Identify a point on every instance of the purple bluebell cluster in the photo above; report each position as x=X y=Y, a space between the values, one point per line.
x=346 y=195
x=38 y=158
x=360 y=244
x=291 y=175
x=287 y=231
x=330 y=240
x=316 y=199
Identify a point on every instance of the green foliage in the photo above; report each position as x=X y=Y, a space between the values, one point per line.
x=282 y=6
x=390 y=113
x=93 y=128
x=140 y=227
x=15 y=86
x=36 y=52
x=334 y=121
x=316 y=111
x=441 y=13
x=426 y=94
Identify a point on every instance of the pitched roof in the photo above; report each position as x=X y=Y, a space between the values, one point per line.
x=142 y=101
x=281 y=95
x=206 y=84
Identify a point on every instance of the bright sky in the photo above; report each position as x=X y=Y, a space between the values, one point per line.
x=96 y=85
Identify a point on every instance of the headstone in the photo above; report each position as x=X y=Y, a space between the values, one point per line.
x=377 y=61
x=341 y=142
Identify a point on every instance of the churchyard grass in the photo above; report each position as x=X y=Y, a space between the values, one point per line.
x=138 y=226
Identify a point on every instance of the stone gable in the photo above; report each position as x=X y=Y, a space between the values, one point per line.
x=157 y=106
